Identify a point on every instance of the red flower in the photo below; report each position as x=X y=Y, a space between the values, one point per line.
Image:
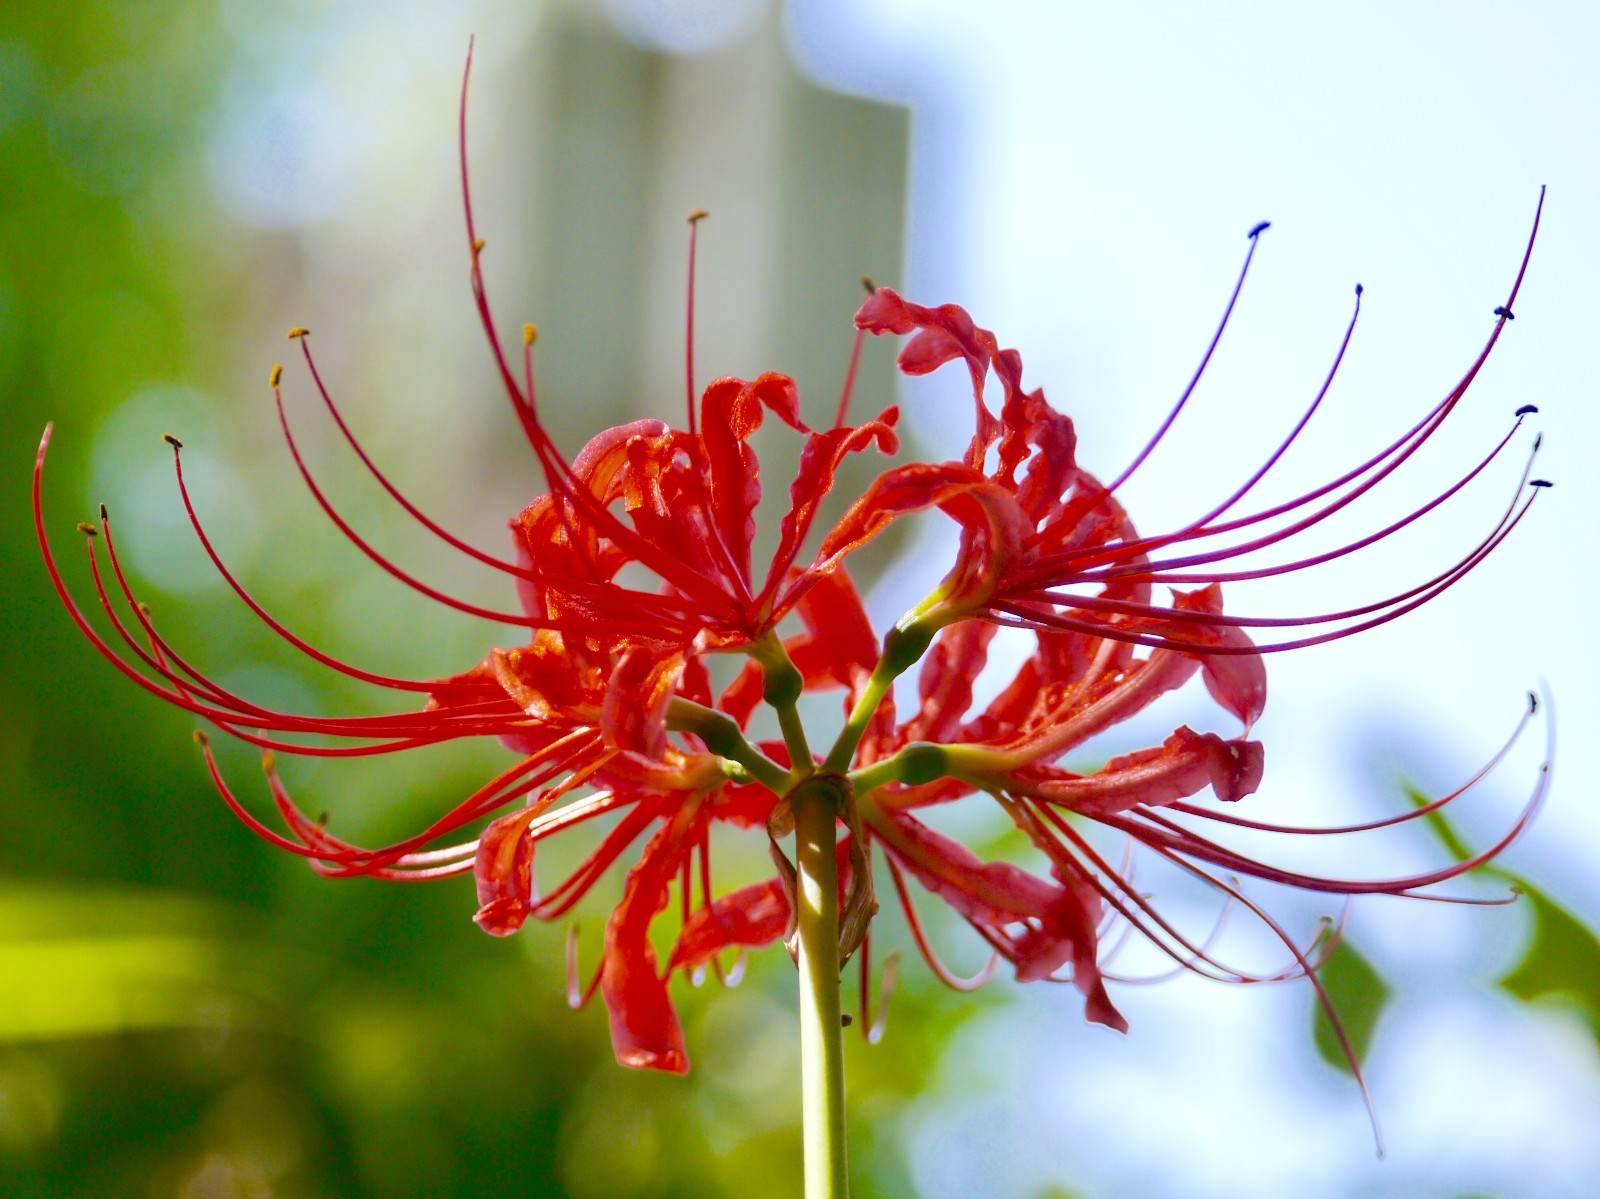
x=609 y=707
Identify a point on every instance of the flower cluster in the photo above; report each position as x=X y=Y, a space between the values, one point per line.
x=606 y=699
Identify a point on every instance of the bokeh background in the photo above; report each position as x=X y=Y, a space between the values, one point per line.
x=186 y=1012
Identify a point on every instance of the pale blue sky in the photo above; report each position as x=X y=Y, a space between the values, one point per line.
x=1084 y=176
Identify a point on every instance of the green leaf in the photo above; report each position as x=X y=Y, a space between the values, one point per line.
x=1563 y=958
x=1357 y=994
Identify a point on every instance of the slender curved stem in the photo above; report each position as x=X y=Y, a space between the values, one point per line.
x=816 y=804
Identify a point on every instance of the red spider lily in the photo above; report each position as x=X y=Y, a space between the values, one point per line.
x=609 y=703
x=1028 y=542
x=1024 y=538
x=949 y=748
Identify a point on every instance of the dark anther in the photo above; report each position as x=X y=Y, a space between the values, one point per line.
x=87 y=529
x=1537 y=442
x=104 y=515
x=846 y=1019
x=322 y=820
x=1359 y=289
x=1259 y=229
x=866 y=282
x=172 y=441
x=200 y=737
x=1505 y=312
x=1526 y=409
x=1533 y=703
x=1540 y=483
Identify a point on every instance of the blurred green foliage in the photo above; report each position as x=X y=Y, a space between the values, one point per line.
x=183 y=1009
x=1357 y=994
x=1562 y=959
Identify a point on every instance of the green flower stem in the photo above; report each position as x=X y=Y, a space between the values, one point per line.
x=781 y=686
x=816 y=803
x=902 y=649
x=722 y=735
x=919 y=762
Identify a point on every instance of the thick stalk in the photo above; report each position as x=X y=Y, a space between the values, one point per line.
x=816 y=807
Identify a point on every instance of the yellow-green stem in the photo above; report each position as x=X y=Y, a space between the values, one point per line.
x=816 y=808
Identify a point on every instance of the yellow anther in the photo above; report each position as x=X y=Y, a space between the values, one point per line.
x=269 y=761
x=172 y=441
x=299 y=331
x=530 y=333
x=699 y=214
x=200 y=737
x=88 y=529
x=277 y=373
x=477 y=246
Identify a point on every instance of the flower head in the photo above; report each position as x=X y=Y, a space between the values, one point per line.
x=606 y=699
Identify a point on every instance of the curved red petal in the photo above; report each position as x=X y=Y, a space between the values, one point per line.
x=645 y=1032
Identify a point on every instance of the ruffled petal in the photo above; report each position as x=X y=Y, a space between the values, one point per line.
x=819 y=463
x=1185 y=763
x=645 y=1033
x=503 y=869
x=750 y=917
x=1236 y=681
x=993 y=527
x=1058 y=919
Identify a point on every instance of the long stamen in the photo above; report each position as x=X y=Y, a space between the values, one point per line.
x=1160 y=570
x=945 y=975
x=849 y=385
x=695 y=218
x=383 y=480
x=578 y=997
x=1014 y=615
x=1205 y=360
x=1399 y=451
x=410 y=580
